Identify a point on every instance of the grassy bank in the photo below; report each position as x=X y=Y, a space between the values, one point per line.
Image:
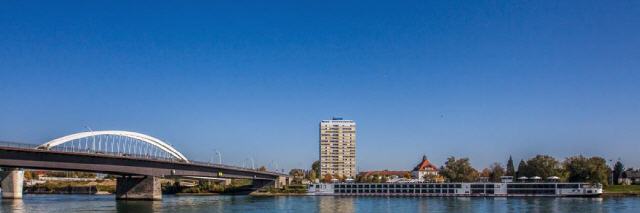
x=622 y=190
x=287 y=191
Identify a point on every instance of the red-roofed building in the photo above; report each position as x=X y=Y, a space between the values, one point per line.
x=426 y=169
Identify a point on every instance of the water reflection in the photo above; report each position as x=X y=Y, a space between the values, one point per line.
x=331 y=204
x=250 y=204
x=12 y=205
x=138 y=206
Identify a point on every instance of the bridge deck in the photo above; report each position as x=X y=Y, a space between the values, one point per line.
x=27 y=157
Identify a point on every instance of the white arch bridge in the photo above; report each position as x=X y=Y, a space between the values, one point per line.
x=120 y=143
x=137 y=159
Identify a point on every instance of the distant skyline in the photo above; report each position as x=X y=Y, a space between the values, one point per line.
x=482 y=80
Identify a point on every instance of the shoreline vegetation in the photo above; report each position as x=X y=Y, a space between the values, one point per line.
x=622 y=190
x=72 y=187
x=291 y=190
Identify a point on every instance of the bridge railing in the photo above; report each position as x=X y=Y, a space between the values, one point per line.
x=125 y=155
x=117 y=154
x=17 y=145
x=230 y=167
x=89 y=151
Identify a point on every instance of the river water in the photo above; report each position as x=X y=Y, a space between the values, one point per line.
x=107 y=203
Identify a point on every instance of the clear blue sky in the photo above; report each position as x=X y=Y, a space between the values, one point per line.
x=474 y=79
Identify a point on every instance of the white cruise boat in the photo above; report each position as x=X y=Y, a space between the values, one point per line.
x=504 y=189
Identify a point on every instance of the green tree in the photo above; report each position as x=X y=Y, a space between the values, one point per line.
x=618 y=168
x=511 y=171
x=297 y=174
x=496 y=172
x=262 y=169
x=522 y=169
x=315 y=168
x=582 y=169
x=459 y=170
x=543 y=166
x=312 y=175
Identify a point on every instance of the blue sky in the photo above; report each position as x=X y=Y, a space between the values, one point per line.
x=474 y=79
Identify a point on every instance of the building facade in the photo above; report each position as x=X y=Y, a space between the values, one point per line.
x=338 y=148
x=425 y=171
x=630 y=177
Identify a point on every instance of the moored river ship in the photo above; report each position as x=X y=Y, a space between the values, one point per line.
x=458 y=189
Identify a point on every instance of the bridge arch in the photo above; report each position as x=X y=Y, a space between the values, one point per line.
x=155 y=142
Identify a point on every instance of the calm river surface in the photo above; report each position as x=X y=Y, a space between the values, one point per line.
x=105 y=203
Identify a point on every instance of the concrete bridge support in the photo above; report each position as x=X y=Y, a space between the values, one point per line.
x=138 y=188
x=226 y=182
x=12 y=181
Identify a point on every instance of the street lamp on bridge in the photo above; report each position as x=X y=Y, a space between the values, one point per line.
x=219 y=156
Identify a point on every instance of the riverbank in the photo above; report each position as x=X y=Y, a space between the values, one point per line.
x=622 y=190
x=72 y=187
x=270 y=194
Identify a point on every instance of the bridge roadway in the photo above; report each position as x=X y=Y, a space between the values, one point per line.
x=139 y=176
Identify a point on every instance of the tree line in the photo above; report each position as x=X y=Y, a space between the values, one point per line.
x=572 y=169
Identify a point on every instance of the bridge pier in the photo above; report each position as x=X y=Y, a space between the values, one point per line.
x=138 y=188
x=12 y=181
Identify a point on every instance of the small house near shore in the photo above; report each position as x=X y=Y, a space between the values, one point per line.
x=630 y=177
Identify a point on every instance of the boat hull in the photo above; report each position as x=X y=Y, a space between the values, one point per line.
x=457 y=189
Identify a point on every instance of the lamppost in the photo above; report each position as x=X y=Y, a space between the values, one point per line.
x=216 y=153
x=219 y=156
x=253 y=166
x=611 y=172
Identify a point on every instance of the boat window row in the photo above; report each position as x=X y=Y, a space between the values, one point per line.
x=532 y=186
x=396 y=191
x=482 y=186
x=531 y=191
x=404 y=186
x=569 y=186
